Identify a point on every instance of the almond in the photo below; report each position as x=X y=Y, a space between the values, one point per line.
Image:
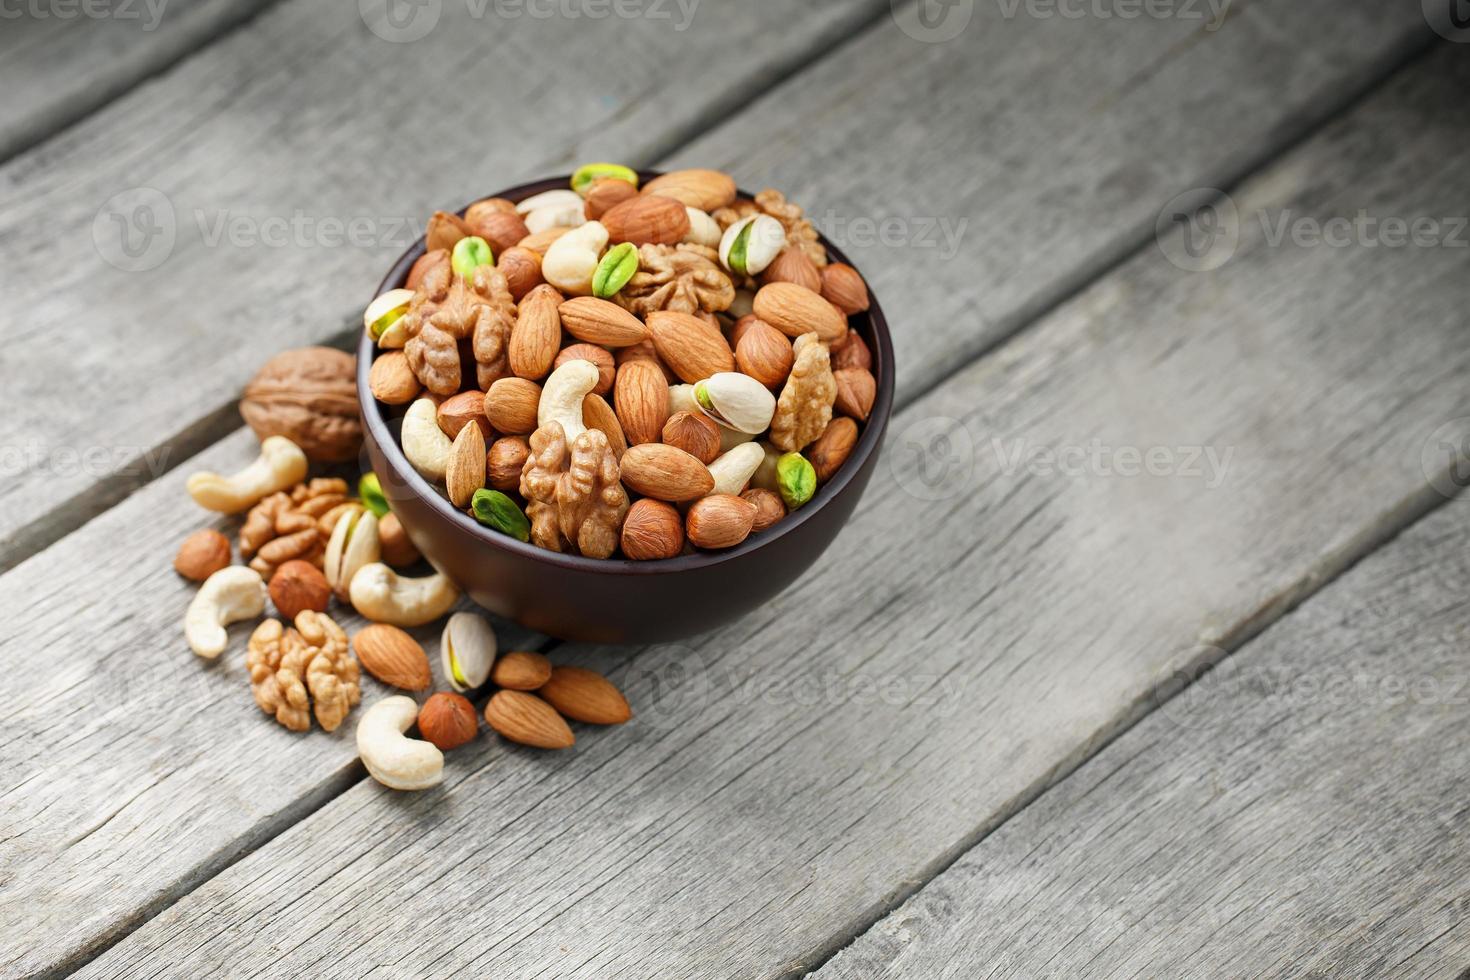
x=792 y=265
x=460 y=410
x=526 y=719
x=536 y=336
x=511 y=404
x=444 y=231
x=393 y=657
x=795 y=310
x=832 y=448
x=856 y=390
x=598 y=414
x=299 y=585
x=448 y=720
x=652 y=530
x=769 y=507
x=647 y=219
x=600 y=359
x=500 y=229
x=604 y=194
x=665 y=473
x=694 y=433
x=422 y=265
x=522 y=269
x=540 y=241
x=391 y=380
x=707 y=190
x=852 y=352
x=690 y=346
x=393 y=542
x=596 y=321
x=844 y=288
x=465 y=472
x=720 y=520
x=586 y=696
x=521 y=670
x=506 y=459
x=202 y=554
x=645 y=352
x=642 y=401
x=764 y=353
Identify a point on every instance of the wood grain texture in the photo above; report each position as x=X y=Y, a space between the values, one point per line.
x=59 y=63
x=130 y=769
x=972 y=637
x=293 y=169
x=1298 y=812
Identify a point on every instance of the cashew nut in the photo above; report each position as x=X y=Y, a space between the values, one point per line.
x=384 y=596
x=424 y=443
x=733 y=470
x=571 y=260
x=354 y=543
x=228 y=596
x=281 y=464
x=561 y=397
x=391 y=757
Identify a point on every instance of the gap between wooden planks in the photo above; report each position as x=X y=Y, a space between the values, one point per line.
x=1022 y=617
x=1020 y=161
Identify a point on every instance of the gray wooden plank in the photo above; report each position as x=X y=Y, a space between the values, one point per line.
x=293 y=162
x=1300 y=812
x=1043 y=188
x=967 y=641
x=131 y=770
x=60 y=61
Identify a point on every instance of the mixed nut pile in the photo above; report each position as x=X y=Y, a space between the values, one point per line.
x=308 y=542
x=613 y=369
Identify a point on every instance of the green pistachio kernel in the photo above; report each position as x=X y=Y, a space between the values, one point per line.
x=701 y=395
x=469 y=254
x=614 y=271
x=454 y=668
x=371 y=492
x=796 y=478
x=387 y=320
x=586 y=174
x=739 y=248
x=495 y=510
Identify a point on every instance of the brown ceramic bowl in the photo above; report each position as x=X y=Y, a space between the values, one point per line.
x=617 y=601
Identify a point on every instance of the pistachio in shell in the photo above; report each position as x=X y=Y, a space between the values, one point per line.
x=467 y=650
x=736 y=401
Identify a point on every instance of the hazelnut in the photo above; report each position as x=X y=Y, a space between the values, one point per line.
x=459 y=411
x=448 y=720
x=297 y=586
x=423 y=264
x=856 y=389
x=851 y=352
x=504 y=462
x=695 y=434
x=393 y=544
x=652 y=529
x=522 y=269
x=720 y=520
x=764 y=353
x=500 y=229
x=604 y=194
x=769 y=507
x=202 y=554
x=599 y=356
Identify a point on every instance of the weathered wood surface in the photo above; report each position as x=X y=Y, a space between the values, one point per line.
x=1057 y=188
x=967 y=641
x=1300 y=812
x=60 y=62
x=293 y=169
x=131 y=770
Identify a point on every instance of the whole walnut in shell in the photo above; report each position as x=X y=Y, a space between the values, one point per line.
x=310 y=397
x=684 y=278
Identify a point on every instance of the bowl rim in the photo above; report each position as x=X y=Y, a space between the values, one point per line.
x=376 y=421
